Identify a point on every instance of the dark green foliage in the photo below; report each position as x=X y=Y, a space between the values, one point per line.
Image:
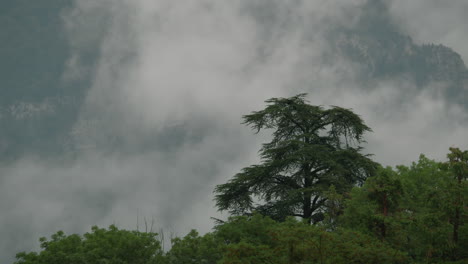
x=312 y=149
x=458 y=166
x=59 y=249
x=386 y=191
x=296 y=242
x=425 y=207
x=101 y=246
x=415 y=205
x=195 y=249
x=258 y=239
x=373 y=208
x=422 y=202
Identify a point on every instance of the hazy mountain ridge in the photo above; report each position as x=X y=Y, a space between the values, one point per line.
x=402 y=58
x=39 y=112
x=382 y=52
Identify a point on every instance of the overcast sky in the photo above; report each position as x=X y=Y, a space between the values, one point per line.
x=181 y=74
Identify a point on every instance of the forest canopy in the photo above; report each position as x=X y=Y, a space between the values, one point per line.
x=314 y=198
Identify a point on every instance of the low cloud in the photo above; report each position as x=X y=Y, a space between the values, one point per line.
x=160 y=126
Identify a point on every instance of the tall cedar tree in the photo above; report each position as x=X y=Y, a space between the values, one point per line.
x=312 y=148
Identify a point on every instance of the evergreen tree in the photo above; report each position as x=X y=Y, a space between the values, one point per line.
x=312 y=149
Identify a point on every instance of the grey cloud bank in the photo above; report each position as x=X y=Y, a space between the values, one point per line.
x=169 y=82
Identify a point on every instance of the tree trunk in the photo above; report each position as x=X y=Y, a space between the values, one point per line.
x=307 y=209
x=307 y=196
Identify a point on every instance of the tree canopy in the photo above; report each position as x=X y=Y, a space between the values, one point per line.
x=312 y=168
x=420 y=209
x=112 y=246
x=312 y=149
